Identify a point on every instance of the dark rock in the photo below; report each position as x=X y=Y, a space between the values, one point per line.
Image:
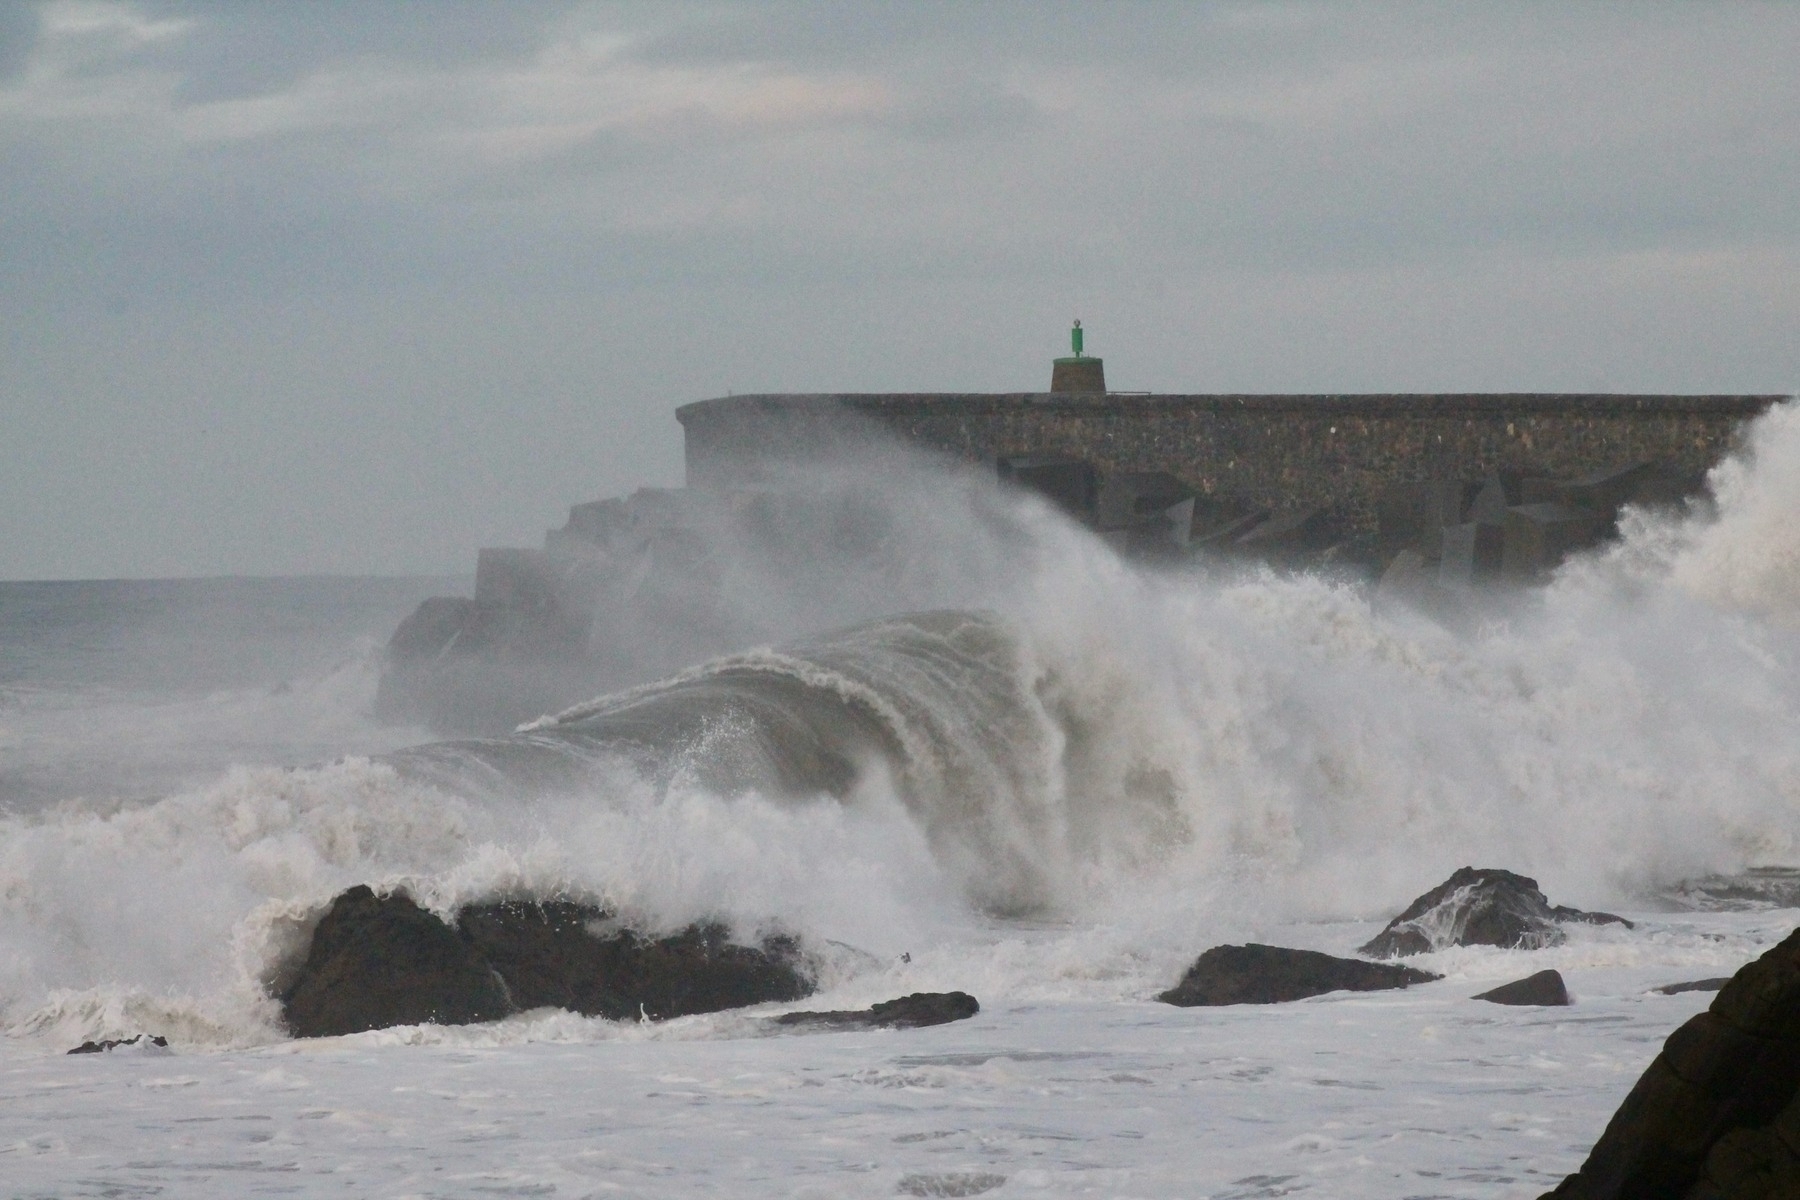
x=908 y=1012
x=141 y=1039
x=1546 y=988
x=1717 y=1115
x=564 y=955
x=1480 y=907
x=1256 y=974
x=1697 y=985
x=377 y=961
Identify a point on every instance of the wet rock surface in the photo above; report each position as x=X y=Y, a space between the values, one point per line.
x=141 y=1041
x=378 y=961
x=1756 y=889
x=572 y=956
x=1717 y=1115
x=1258 y=974
x=1480 y=907
x=1546 y=988
x=1692 y=985
x=907 y=1012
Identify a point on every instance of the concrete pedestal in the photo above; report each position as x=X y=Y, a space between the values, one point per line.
x=1077 y=375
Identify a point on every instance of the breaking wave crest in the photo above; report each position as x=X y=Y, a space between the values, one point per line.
x=1104 y=764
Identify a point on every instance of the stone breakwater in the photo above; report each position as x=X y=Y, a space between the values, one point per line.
x=796 y=517
x=1342 y=453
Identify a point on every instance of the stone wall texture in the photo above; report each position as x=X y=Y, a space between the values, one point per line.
x=1283 y=452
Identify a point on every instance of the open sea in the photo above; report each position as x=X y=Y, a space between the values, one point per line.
x=1051 y=786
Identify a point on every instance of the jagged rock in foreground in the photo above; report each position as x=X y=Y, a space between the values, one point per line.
x=1546 y=988
x=1717 y=1115
x=908 y=1012
x=1257 y=974
x=377 y=961
x=1480 y=907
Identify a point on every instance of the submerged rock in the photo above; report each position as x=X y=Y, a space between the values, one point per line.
x=378 y=961
x=1480 y=907
x=1257 y=974
x=1546 y=988
x=141 y=1041
x=953 y=1183
x=1752 y=890
x=1717 y=1115
x=1692 y=985
x=908 y=1012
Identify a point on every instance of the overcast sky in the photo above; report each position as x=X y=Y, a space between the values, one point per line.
x=361 y=287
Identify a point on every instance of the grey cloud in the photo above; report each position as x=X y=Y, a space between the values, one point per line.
x=18 y=36
x=235 y=50
x=1253 y=195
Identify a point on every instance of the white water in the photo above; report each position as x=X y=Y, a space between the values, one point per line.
x=1082 y=792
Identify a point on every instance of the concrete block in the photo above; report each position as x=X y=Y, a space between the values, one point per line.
x=1413 y=515
x=514 y=580
x=1538 y=537
x=1472 y=553
x=1077 y=375
x=1296 y=531
x=1499 y=491
x=1130 y=498
x=1216 y=528
x=1072 y=484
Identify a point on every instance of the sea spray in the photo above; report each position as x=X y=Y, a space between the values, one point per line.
x=1066 y=785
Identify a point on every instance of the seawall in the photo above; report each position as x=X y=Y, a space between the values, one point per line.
x=1280 y=451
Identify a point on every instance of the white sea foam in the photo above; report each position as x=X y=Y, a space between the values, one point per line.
x=1067 y=793
x=1062 y=792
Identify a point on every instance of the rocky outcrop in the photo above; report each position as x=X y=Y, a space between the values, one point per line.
x=377 y=961
x=1717 y=1115
x=1257 y=974
x=572 y=956
x=908 y=1012
x=1546 y=988
x=1480 y=907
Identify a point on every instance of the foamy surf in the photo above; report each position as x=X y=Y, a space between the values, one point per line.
x=1053 y=799
x=1170 y=753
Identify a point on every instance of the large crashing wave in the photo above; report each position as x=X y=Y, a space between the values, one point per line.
x=1140 y=759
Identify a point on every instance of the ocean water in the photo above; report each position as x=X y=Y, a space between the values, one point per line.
x=1040 y=775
